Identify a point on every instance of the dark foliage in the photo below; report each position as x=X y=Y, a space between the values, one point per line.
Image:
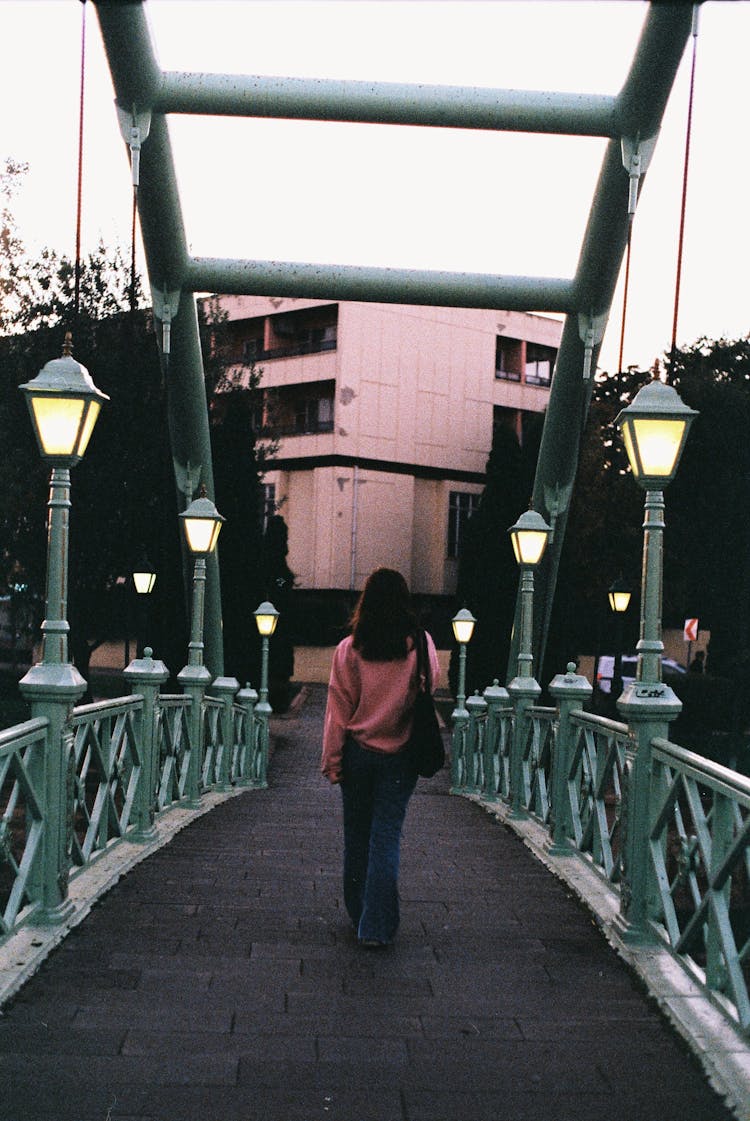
x=487 y=573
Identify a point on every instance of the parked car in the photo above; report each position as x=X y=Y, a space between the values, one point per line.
x=606 y=669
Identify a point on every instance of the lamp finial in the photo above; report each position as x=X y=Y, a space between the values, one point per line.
x=68 y=344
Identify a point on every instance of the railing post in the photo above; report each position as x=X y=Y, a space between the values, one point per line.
x=53 y=775
x=146 y=676
x=648 y=709
x=476 y=707
x=247 y=698
x=194 y=681
x=225 y=689
x=262 y=714
x=496 y=697
x=459 y=741
x=523 y=692
x=570 y=691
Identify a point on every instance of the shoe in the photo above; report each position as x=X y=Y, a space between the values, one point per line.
x=372 y=944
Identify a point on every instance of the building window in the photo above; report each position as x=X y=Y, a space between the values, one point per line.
x=269 y=503
x=508 y=359
x=310 y=331
x=300 y=410
x=540 y=361
x=252 y=349
x=461 y=506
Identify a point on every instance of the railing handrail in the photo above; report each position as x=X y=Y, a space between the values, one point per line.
x=721 y=778
x=594 y=720
x=26 y=732
x=114 y=706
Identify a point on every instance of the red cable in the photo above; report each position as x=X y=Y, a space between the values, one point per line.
x=132 y=251
x=77 y=295
x=684 y=197
x=625 y=298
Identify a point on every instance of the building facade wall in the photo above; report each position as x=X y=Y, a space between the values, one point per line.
x=415 y=398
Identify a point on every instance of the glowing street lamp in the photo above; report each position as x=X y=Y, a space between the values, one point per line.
x=619 y=596
x=654 y=429
x=529 y=535
x=202 y=523
x=463 y=623
x=266 y=619
x=64 y=405
x=144 y=576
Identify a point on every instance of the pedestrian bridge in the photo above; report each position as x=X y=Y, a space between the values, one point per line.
x=219 y=978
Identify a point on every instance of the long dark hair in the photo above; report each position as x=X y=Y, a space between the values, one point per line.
x=383 y=617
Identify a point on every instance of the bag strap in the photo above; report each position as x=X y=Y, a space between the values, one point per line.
x=423 y=661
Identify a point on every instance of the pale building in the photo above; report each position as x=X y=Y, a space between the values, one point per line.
x=385 y=415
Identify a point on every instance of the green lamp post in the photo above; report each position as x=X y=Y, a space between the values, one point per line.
x=463 y=623
x=529 y=536
x=266 y=619
x=619 y=596
x=144 y=579
x=654 y=429
x=64 y=405
x=202 y=523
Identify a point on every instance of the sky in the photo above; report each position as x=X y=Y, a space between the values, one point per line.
x=391 y=195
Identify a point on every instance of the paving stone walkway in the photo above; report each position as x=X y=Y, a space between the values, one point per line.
x=219 y=981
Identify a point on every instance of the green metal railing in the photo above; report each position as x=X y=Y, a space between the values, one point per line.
x=127 y=762
x=700 y=863
x=576 y=783
x=22 y=821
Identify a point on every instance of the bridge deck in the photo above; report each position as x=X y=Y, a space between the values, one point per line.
x=219 y=980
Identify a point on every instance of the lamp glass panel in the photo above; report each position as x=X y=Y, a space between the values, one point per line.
x=463 y=629
x=88 y=425
x=202 y=534
x=58 y=422
x=144 y=582
x=266 y=624
x=619 y=601
x=659 y=442
x=529 y=545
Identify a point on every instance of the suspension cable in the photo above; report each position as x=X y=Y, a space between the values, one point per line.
x=626 y=286
x=683 y=205
x=79 y=192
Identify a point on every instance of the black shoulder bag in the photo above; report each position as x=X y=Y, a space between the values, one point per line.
x=425 y=744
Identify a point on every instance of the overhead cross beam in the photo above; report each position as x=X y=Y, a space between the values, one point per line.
x=633 y=117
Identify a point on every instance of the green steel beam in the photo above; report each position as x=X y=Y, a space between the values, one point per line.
x=317 y=99
x=136 y=77
x=395 y=286
x=640 y=107
x=634 y=116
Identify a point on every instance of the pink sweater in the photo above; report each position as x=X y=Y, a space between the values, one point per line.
x=372 y=700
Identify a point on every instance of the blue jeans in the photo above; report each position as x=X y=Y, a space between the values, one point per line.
x=376 y=788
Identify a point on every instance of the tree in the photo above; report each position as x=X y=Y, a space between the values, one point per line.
x=12 y=254
x=278 y=582
x=119 y=492
x=487 y=571
x=252 y=564
x=707 y=539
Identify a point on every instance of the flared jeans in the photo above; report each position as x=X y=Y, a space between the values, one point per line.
x=376 y=788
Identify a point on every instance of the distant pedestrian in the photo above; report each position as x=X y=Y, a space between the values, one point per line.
x=697 y=665
x=368 y=719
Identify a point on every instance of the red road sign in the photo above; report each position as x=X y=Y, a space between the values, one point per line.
x=690 y=633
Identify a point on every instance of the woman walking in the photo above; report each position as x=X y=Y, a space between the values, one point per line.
x=367 y=724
